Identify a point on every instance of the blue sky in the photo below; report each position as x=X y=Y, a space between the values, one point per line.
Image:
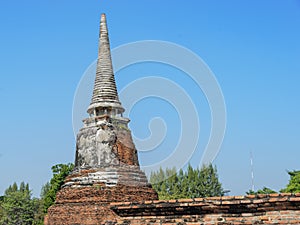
x=252 y=47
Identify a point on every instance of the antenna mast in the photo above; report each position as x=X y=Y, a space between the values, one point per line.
x=252 y=173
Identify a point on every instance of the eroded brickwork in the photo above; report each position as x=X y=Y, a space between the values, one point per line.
x=80 y=214
x=234 y=210
x=260 y=209
x=103 y=194
x=126 y=150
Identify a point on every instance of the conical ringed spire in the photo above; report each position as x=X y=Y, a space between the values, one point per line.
x=105 y=99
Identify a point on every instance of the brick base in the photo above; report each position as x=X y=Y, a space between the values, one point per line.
x=260 y=209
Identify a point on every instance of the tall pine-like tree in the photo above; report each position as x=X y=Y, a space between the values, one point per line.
x=17 y=206
x=193 y=183
x=264 y=190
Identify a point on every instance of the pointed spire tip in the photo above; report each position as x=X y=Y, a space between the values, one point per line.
x=105 y=94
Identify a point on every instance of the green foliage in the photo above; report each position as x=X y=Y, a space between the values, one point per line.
x=60 y=172
x=193 y=183
x=38 y=205
x=265 y=190
x=17 y=207
x=164 y=182
x=45 y=189
x=1 y=209
x=294 y=183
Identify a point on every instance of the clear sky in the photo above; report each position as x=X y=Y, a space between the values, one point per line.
x=252 y=47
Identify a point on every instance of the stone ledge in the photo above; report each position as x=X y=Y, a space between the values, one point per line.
x=109 y=176
x=227 y=204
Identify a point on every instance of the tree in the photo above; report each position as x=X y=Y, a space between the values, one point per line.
x=17 y=207
x=265 y=190
x=38 y=205
x=60 y=172
x=1 y=209
x=294 y=183
x=45 y=189
x=209 y=184
x=192 y=183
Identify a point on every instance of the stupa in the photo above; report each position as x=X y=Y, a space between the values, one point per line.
x=106 y=163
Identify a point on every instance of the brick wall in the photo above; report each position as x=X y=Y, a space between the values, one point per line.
x=260 y=209
x=251 y=209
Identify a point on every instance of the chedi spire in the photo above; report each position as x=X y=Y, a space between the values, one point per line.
x=106 y=164
x=105 y=99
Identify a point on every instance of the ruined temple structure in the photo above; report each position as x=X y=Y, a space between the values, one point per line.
x=107 y=186
x=106 y=163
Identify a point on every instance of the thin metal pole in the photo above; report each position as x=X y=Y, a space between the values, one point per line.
x=252 y=172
